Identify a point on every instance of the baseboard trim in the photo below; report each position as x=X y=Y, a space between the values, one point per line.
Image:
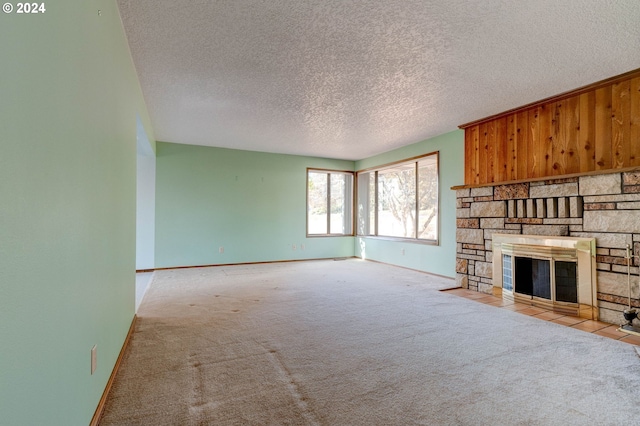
x=95 y=421
x=266 y=262
x=412 y=269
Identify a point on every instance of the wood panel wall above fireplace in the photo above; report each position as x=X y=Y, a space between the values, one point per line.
x=591 y=129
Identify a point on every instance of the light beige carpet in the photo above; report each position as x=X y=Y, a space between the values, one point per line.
x=357 y=343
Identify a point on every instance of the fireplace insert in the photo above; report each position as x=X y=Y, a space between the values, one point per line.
x=553 y=272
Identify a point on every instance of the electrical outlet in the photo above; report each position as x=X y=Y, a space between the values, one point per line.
x=293 y=246
x=94 y=358
x=221 y=250
x=402 y=251
x=301 y=246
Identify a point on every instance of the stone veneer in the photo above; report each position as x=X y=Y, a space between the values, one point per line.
x=605 y=207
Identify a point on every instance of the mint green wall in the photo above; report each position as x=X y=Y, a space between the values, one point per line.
x=68 y=102
x=251 y=203
x=439 y=259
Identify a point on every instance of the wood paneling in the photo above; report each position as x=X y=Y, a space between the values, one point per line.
x=501 y=150
x=511 y=149
x=620 y=125
x=491 y=150
x=558 y=137
x=483 y=147
x=545 y=141
x=634 y=120
x=522 y=144
x=590 y=129
x=470 y=151
x=532 y=145
x=586 y=135
x=571 y=129
x=603 y=128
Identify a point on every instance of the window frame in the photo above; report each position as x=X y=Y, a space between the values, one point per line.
x=374 y=171
x=352 y=204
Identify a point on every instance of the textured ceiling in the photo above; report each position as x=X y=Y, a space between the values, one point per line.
x=351 y=79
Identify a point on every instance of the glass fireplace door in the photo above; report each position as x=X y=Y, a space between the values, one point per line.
x=532 y=277
x=566 y=281
x=543 y=279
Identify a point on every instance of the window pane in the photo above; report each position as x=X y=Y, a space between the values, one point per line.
x=397 y=201
x=317 y=203
x=400 y=200
x=329 y=203
x=428 y=198
x=366 y=203
x=338 y=183
x=372 y=204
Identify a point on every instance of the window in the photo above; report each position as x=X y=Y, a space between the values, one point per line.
x=400 y=200
x=329 y=202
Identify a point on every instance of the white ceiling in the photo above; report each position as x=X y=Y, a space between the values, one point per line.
x=353 y=78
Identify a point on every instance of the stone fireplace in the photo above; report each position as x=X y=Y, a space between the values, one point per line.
x=600 y=211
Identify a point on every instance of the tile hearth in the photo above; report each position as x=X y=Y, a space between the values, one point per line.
x=596 y=327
